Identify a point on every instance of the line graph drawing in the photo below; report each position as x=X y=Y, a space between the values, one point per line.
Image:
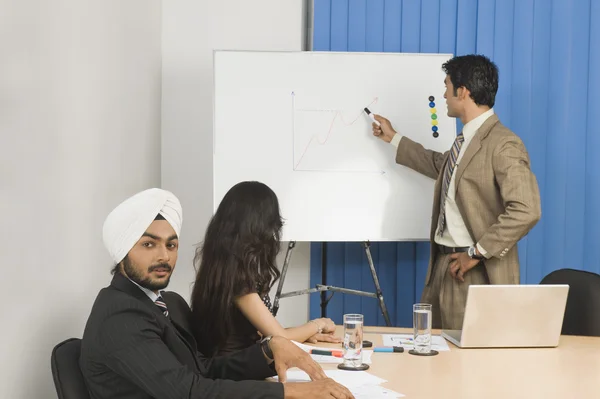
x=331 y=140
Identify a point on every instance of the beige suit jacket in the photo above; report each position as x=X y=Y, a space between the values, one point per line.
x=496 y=193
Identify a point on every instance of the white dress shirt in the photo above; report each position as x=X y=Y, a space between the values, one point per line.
x=455 y=231
x=151 y=294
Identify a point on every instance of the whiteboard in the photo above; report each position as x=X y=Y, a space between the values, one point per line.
x=295 y=121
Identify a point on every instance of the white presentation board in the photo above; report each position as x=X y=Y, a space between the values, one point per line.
x=295 y=121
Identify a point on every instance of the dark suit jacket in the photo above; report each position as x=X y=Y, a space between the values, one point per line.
x=131 y=350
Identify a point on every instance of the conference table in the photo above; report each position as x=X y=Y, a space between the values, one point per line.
x=572 y=370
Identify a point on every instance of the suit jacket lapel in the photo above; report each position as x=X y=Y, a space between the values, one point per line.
x=437 y=197
x=474 y=146
x=180 y=318
x=122 y=283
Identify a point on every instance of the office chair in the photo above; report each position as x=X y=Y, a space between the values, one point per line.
x=66 y=373
x=582 y=313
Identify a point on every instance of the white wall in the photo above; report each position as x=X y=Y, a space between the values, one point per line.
x=191 y=29
x=79 y=132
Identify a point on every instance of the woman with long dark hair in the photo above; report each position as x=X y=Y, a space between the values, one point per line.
x=236 y=268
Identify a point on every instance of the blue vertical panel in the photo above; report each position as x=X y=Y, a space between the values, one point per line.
x=321 y=25
x=537 y=137
x=353 y=275
x=339 y=25
x=375 y=25
x=486 y=22
x=411 y=25
x=430 y=26
x=448 y=32
x=448 y=14
x=357 y=35
x=387 y=272
x=556 y=184
x=521 y=98
x=503 y=48
x=577 y=131
x=422 y=251
x=392 y=17
x=547 y=54
x=591 y=261
x=314 y=303
x=369 y=306
x=466 y=27
x=405 y=294
x=336 y=276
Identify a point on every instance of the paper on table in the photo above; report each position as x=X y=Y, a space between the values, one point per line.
x=374 y=392
x=438 y=343
x=349 y=379
x=362 y=384
x=331 y=359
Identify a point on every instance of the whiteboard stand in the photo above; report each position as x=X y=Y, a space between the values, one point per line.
x=378 y=294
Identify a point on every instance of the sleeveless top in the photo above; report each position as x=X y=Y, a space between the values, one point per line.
x=243 y=335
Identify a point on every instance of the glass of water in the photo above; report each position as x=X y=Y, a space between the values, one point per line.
x=353 y=340
x=422 y=327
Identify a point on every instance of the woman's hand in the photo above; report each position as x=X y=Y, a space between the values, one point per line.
x=325 y=324
x=324 y=337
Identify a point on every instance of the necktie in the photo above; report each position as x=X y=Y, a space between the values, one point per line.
x=450 y=165
x=162 y=305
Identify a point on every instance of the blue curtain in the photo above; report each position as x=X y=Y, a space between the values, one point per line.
x=549 y=57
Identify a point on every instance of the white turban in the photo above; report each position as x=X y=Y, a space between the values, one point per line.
x=126 y=224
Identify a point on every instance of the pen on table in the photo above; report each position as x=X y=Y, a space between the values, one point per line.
x=372 y=117
x=394 y=349
x=326 y=353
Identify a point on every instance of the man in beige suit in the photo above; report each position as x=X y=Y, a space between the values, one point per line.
x=486 y=198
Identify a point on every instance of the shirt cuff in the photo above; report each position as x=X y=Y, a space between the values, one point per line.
x=483 y=251
x=396 y=140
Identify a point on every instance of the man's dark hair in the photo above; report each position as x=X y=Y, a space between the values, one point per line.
x=116 y=268
x=476 y=73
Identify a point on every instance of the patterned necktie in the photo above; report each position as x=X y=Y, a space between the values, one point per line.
x=450 y=165
x=162 y=305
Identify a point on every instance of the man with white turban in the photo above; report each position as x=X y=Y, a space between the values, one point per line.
x=137 y=342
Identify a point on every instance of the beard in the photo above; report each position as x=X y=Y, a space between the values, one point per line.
x=147 y=282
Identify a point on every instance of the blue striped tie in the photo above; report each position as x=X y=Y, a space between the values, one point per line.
x=162 y=305
x=458 y=142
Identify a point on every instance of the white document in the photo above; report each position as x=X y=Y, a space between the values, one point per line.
x=349 y=379
x=331 y=359
x=374 y=392
x=438 y=343
x=362 y=384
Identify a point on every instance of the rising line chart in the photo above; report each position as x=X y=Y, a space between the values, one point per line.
x=336 y=125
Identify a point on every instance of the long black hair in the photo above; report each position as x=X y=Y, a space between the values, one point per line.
x=237 y=257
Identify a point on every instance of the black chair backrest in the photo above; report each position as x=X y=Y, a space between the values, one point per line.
x=68 y=379
x=582 y=314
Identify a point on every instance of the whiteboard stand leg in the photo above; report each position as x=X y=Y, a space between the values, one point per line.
x=378 y=291
x=286 y=263
x=323 y=288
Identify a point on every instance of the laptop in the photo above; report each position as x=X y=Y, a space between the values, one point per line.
x=511 y=316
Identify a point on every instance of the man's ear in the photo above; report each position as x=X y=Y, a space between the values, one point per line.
x=463 y=93
x=118 y=268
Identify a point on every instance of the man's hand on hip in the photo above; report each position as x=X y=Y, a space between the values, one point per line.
x=460 y=264
x=385 y=131
x=287 y=355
